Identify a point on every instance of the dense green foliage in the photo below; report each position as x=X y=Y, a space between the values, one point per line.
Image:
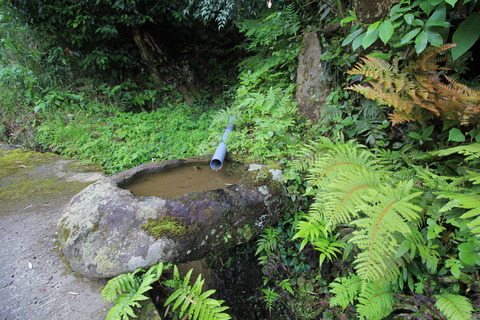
x=187 y=300
x=385 y=214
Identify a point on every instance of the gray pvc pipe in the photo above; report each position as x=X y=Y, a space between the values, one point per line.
x=216 y=163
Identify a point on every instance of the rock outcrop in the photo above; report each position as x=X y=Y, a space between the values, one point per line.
x=312 y=85
x=105 y=230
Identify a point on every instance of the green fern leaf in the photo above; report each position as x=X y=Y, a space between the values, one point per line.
x=126 y=290
x=387 y=213
x=346 y=290
x=342 y=159
x=472 y=151
x=454 y=306
x=465 y=201
x=376 y=300
x=340 y=200
x=117 y=285
x=194 y=304
x=310 y=152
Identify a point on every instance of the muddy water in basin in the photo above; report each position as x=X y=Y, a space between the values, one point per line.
x=191 y=177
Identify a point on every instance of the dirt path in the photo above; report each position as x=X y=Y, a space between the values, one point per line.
x=35 y=282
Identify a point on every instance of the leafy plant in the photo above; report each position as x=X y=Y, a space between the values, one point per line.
x=417 y=87
x=127 y=290
x=419 y=23
x=380 y=215
x=191 y=302
x=454 y=306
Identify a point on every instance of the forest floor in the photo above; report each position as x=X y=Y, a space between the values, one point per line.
x=35 y=281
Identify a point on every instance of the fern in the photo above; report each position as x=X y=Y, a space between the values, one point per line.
x=376 y=300
x=340 y=160
x=346 y=290
x=339 y=202
x=309 y=153
x=471 y=150
x=126 y=290
x=454 y=307
x=465 y=201
x=191 y=302
x=313 y=231
x=388 y=212
x=418 y=86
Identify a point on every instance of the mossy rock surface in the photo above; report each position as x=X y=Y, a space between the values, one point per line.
x=106 y=230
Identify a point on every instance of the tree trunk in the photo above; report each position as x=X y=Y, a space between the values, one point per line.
x=148 y=48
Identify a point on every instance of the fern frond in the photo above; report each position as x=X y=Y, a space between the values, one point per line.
x=310 y=230
x=132 y=288
x=121 y=283
x=454 y=306
x=471 y=150
x=192 y=302
x=339 y=201
x=308 y=154
x=342 y=159
x=346 y=290
x=376 y=300
x=426 y=59
x=418 y=86
x=465 y=201
x=388 y=212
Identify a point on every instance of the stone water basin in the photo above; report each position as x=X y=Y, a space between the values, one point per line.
x=112 y=226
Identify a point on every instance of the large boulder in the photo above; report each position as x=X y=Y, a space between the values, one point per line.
x=105 y=230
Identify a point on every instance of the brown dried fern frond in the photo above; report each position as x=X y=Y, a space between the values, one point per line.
x=428 y=59
x=420 y=85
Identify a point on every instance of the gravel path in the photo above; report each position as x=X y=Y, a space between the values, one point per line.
x=35 y=282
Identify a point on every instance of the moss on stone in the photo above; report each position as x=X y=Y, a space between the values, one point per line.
x=21 y=184
x=167 y=226
x=15 y=161
x=83 y=167
x=24 y=191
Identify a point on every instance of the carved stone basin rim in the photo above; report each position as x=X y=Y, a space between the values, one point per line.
x=103 y=229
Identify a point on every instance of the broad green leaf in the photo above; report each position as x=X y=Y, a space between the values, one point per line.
x=428 y=5
x=456 y=135
x=346 y=20
x=373 y=26
x=385 y=31
x=398 y=9
x=415 y=135
x=370 y=38
x=421 y=42
x=409 y=18
x=351 y=37
x=409 y=36
x=466 y=35
x=438 y=18
x=467 y=253
x=451 y=2
x=358 y=41
x=434 y=38
x=418 y=22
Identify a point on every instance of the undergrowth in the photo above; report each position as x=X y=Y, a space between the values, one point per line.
x=126 y=139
